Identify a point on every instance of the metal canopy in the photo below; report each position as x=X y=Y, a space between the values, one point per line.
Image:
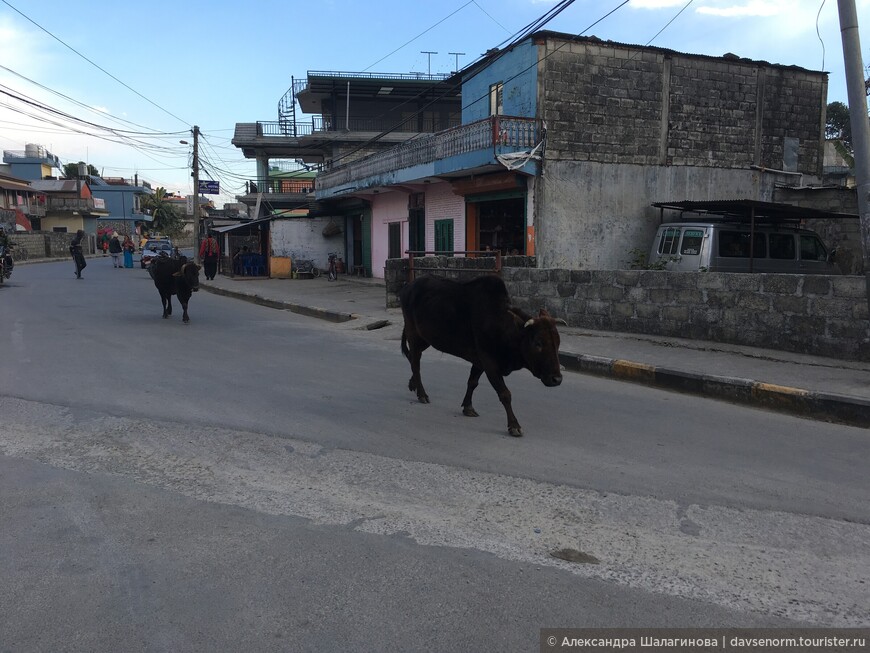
x=746 y=210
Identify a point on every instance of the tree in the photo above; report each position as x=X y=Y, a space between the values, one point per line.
x=837 y=125
x=165 y=217
x=71 y=170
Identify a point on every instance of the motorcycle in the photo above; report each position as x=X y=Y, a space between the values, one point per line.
x=6 y=263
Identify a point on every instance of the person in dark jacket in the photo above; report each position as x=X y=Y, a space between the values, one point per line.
x=75 y=248
x=115 y=250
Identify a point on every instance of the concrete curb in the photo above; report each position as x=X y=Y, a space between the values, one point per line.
x=842 y=409
x=301 y=309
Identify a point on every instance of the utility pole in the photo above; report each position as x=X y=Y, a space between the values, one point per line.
x=857 y=94
x=196 y=234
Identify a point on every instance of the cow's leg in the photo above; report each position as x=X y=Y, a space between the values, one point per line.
x=184 y=316
x=416 y=347
x=473 y=378
x=166 y=300
x=504 y=396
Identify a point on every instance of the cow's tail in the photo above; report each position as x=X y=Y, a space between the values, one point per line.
x=405 y=349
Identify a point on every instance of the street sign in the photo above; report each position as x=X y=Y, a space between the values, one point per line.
x=209 y=187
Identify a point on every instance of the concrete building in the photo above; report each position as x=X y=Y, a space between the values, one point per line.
x=566 y=143
x=330 y=118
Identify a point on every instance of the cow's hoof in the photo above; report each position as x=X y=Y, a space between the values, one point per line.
x=515 y=431
x=469 y=411
x=165 y=317
x=423 y=399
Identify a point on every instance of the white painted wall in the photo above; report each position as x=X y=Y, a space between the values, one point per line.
x=591 y=215
x=302 y=238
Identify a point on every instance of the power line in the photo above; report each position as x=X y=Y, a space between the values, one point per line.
x=92 y=63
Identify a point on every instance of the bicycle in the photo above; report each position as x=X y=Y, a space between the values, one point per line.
x=332 y=274
x=19 y=254
x=307 y=267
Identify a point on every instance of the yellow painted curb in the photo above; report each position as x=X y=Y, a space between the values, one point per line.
x=772 y=388
x=635 y=371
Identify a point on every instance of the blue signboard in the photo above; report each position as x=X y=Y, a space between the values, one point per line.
x=209 y=187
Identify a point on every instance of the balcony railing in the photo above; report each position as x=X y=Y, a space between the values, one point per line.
x=72 y=204
x=496 y=132
x=317 y=124
x=282 y=186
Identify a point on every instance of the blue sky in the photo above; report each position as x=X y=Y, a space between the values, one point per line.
x=169 y=65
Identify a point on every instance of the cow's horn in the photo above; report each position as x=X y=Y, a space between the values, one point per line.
x=559 y=320
x=529 y=323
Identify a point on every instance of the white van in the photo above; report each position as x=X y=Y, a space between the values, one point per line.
x=724 y=247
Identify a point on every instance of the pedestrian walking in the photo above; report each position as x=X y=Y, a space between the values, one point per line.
x=115 y=250
x=209 y=252
x=129 y=247
x=75 y=248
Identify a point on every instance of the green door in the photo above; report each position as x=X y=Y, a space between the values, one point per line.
x=444 y=237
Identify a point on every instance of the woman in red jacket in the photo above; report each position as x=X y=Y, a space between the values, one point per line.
x=209 y=252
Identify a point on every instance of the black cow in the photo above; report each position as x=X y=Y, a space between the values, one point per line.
x=475 y=321
x=175 y=276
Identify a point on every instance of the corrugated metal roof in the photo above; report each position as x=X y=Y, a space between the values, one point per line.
x=745 y=210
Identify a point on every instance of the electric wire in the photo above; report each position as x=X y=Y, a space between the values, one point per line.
x=98 y=67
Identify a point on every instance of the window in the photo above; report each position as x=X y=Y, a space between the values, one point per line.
x=781 y=246
x=735 y=244
x=444 y=236
x=692 y=239
x=669 y=241
x=812 y=249
x=496 y=99
x=395 y=240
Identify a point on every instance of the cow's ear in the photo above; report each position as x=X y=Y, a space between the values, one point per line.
x=543 y=313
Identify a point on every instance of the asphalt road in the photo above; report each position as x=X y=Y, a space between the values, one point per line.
x=260 y=480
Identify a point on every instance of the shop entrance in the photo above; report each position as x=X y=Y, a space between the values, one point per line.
x=501 y=225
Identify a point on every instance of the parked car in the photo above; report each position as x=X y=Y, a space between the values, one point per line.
x=724 y=247
x=154 y=248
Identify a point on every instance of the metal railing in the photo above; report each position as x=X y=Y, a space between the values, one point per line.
x=70 y=204
x=317 y=124
x=475 y=253
x=510 y=133
x=405 y=76
x=285 y=186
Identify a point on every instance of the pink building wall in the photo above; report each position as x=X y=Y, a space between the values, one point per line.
x=392 y=206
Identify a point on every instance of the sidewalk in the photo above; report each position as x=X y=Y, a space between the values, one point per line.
x=811 y=386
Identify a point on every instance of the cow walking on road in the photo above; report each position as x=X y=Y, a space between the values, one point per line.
x=475 y=321
x=175 y=276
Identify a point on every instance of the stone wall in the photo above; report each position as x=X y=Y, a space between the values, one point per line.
x=808 y=314
x=48 y=244
x=457 y=268
x=614 y=103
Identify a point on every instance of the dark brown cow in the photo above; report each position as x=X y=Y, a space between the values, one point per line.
x=474 y=320
x=175 y=276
